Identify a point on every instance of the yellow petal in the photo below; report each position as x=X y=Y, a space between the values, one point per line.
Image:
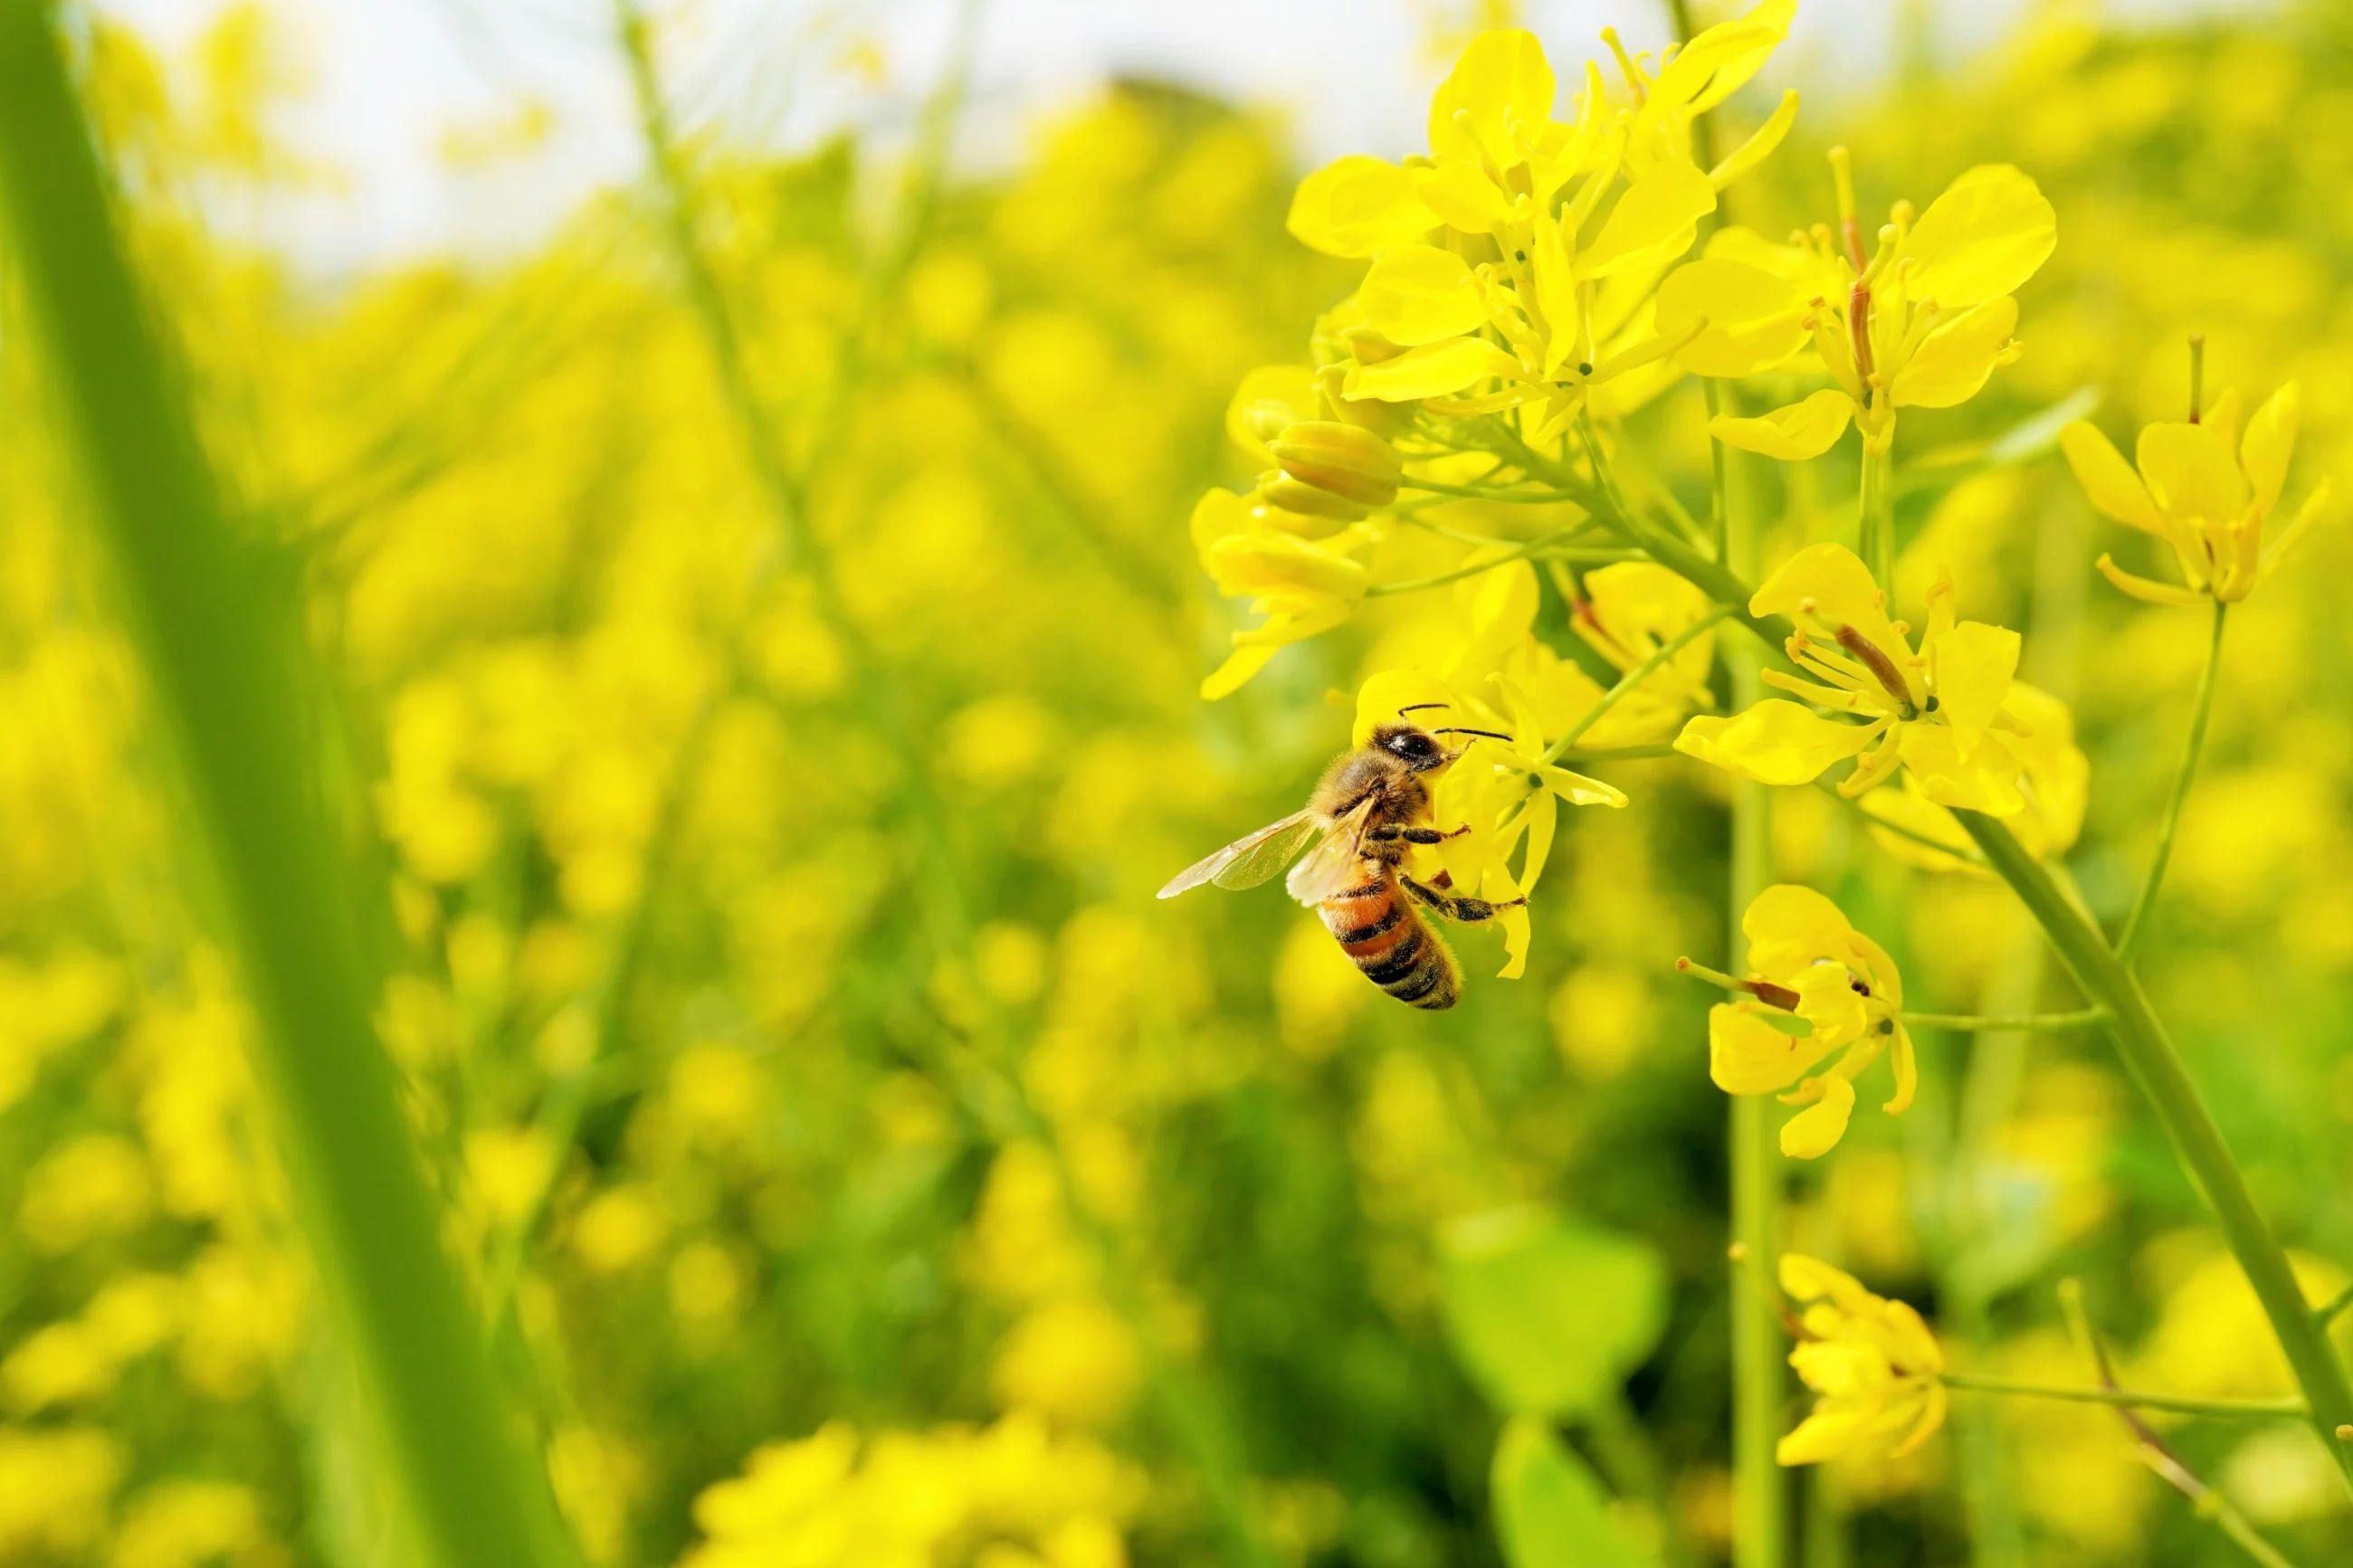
x=1956 y=359
x=1218 y=514
x=1500 y=81
x=1717 y=63
x=1262 y=564
x=1842 y=591
x=1754 y=318
x=1358 y=206
x=1747 y=1055
x=2191 y=471
x=2311 y=509
x=1983 y=238
x=1418 y=294
x=1815 y=1130
x=2146 y=589
x=1805 y=1279
x=1462 y=195
x=1269 y=398
x=1775 y=742
x=1556 y=282
x=1824 y=1435
x=1920 y=817
x=1231 y=676
x=1973 y=663
x=1788 y=926
x=1498 y=888
x=1432 y=370
x=1654 y=222
x=1986 y=780
x=1759 y=145
x=2108 y=482
x=1793 y=433
x=2269 y=442
x=1906 y=1065
x=1579 y=790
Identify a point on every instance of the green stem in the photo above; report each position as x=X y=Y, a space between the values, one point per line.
x=222 y=662
x=2199 y=708
x=2148 y=1052
x=1632 y=679
x=2327 y=1315
x=1537 y=547
x=1469 y=493
x=1718 y=456
x=1759 y=1370
x=1875 y=525
x=2180 y=1404
x=1973 y=1022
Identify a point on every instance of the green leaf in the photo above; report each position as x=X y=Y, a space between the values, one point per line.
x=1550 y=1510
x=1548 y=1315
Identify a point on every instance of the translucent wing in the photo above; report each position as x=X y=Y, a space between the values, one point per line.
x=1333 y=865
x=1250 y=859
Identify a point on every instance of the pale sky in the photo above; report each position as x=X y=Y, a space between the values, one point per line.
x=390 y=81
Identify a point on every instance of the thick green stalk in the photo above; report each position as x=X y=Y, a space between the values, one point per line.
x=2200 y=708
x=221 y=663
x=2149 y=1053
x=1759 y=1372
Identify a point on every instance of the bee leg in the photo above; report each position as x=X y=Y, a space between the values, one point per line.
x=1410 y=835
x=1455 y=907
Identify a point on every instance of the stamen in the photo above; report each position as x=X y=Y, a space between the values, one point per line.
x=1850 y=226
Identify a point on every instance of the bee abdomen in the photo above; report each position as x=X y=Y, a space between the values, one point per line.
x=1381 y=932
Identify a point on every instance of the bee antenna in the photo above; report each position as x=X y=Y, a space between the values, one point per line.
x=1489 y=733
x=1417 y=707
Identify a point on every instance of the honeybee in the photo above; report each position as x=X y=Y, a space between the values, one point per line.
x=1371 y=805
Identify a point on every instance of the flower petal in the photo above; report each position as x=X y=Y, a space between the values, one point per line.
x=1746 y=1054
x=1973 y=664
x=1754 y=318
x=1987 y=780
x=1775 y=742
x=2108 y=482
x=1793 y=433
x=1790 y=926
x=1419 y=294
x=1815 y=1130
x=1432 y=370
x=2269 y=442
x=1463 y=196
x=1842 y=591
x=2191 y=471
x=1983 y=238
x=1906 y=1066
x=1654 y=222
x=1500 y=80
x=1956 y=358
x=2146 y=589
x=1358 y=206
x=1579 y=790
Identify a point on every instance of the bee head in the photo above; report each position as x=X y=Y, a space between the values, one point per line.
x=1415 y=746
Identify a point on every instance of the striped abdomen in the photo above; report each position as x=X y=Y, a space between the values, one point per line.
x=1378 y=927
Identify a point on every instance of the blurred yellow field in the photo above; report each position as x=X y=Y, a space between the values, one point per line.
x=580 y=979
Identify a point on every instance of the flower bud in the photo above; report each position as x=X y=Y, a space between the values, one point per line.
x=1337 y=459
x=1283 y=496
x=1384 y=419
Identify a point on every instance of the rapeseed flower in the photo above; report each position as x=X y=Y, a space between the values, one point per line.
x=1874 y=1368
x=1921 y=324
x=2204 y=489
x=1941 y=712
x=1303 y=587
x=1815 y=987
x=2054 y=782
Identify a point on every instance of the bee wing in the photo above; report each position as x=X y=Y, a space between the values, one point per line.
x=1332 y=864
x=1253 y=858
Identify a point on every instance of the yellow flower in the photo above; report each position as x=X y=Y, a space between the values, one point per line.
x=1630 y=610
x=1816 y=985
x=2193 y=492
x=1302 y=586
x=1921 y=324
x=1563 y=305
x=1872 y=1364
x=2054 y=778
x=1938 y=713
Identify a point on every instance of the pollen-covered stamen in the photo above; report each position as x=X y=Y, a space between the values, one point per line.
x=1875 y=658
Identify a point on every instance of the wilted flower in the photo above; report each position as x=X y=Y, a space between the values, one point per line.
x=1872 y=1362
x=2199 y=496
x=1939 y=712
x=1815 y=985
